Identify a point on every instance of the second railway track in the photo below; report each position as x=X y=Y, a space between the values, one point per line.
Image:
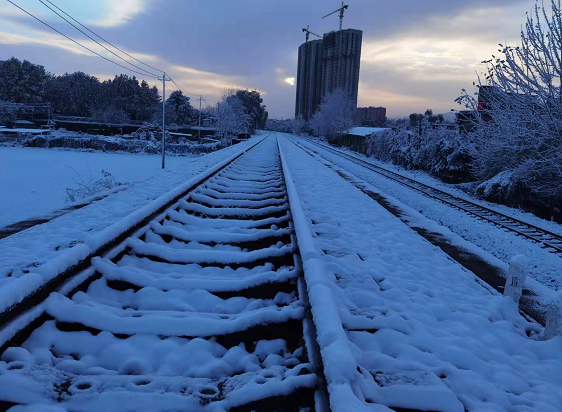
x=547 y=239
x=204 y=308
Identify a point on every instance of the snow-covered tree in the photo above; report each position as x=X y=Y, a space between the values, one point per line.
x=75 y=94
x=298 y=125
x=518 y=114
x=110 y=114
x=179 y=110
x=439 y=151
x=149 y=102
x=8 y=112
x=252 y=101
x=22 y=81
x=231 y=118
x=334 y=116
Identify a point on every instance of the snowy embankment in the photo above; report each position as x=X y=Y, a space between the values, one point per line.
x=30 y=258
x=150 y=144
x=34 y=181
x=545 y=267
x=421 y=332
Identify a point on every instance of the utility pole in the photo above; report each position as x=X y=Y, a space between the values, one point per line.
x=200 y=100
x=163 y=79
x=305 y=75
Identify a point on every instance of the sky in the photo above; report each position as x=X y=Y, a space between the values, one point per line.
x=416 y=54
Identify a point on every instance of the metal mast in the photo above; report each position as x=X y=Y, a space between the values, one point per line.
x=200 y=100
x=163 y=79
x=305 y=74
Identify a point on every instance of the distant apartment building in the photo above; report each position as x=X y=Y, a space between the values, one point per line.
x=309 y=78
x=326 y=65
x=341 y=56
x=370 y=116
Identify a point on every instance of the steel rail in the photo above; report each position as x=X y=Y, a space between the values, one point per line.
x=521 y=228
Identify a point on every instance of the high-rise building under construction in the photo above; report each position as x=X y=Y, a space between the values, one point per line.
x=326 y=65
x=309 y=79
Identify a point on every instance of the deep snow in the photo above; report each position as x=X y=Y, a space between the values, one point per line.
x=33 y=181
x=34 y=256
x=397 y=321
x=151 y=353
x=422 y=332
x=545 y=267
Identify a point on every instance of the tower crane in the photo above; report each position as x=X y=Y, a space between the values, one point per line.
x=308 y=32
x=341 y=10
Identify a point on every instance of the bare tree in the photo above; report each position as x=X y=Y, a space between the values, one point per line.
x=518 y=114
x=334 y=116
x=297 y=125
x=230 y=118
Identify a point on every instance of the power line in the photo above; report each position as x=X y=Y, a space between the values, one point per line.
x=167 y=88
x=91 y=38
x=74 y=41
x=97 y=35
x=184 y=92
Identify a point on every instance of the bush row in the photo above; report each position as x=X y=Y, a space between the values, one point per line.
x=449 y=156
x=111 y=144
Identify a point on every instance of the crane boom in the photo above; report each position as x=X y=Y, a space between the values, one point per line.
x=329 y=14
x=309 y=32
x=341 y=10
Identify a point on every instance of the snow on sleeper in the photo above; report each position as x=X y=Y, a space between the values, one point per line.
x=202 y=309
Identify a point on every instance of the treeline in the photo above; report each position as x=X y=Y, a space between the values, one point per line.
x=78 y=93
x=122 y=99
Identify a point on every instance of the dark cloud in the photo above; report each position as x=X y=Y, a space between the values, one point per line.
x=248 y=40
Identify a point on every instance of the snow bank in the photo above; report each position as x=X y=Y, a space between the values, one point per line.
x=423 y=332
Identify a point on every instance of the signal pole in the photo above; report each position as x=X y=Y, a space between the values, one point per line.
x=163 y=80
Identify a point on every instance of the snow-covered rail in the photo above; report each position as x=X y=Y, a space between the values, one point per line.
x=203 y=308
x=549 y=240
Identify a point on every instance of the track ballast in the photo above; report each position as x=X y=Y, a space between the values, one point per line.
x=547 y=239
x=204 y=308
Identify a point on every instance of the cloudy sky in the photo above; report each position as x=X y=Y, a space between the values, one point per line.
x=416 y=54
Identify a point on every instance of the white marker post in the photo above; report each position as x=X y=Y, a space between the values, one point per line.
x=553 y=325
x=516 y=276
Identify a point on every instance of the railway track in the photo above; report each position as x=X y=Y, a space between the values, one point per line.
x=547 y=239
x=203 y=308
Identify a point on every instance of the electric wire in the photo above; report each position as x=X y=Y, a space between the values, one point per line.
x=97 y=35
x=91 y=38
x=146 y=73
x=74 y=41
x=184 y=92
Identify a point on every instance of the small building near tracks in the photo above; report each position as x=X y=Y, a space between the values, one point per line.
x=356 y=137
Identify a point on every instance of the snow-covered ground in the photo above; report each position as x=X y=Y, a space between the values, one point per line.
x=545 y=267
x=165 y=357
x=419 y=331
x=398 y=323
x=33 y=181
x=31 y=257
